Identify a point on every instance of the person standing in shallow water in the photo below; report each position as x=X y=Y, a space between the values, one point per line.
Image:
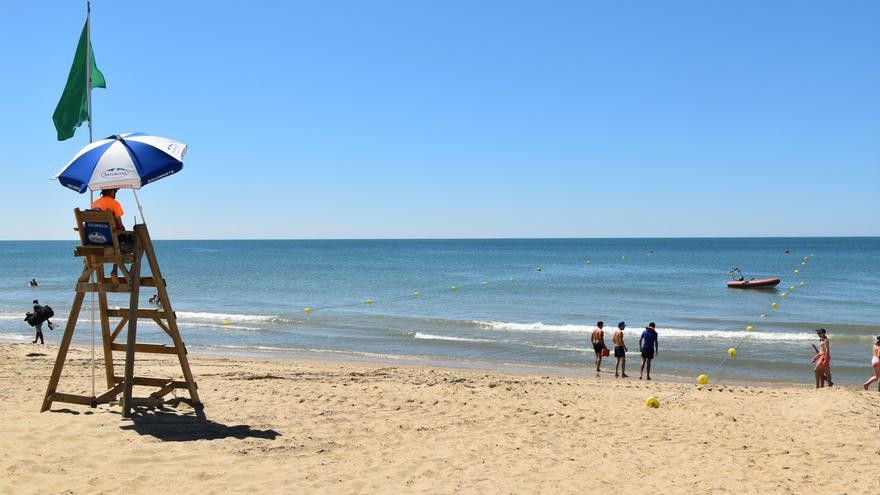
x=875 y=364
x=649 y=345
x=620 y=351
x=598 y=341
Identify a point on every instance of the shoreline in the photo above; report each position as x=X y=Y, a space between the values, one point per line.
x=354 y=358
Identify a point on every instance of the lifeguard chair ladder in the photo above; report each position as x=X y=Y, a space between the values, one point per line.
x=103 y=242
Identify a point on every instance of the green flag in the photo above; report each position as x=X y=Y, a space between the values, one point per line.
x=73 y=108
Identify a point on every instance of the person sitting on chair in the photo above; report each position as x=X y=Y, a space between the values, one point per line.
x=107 y=202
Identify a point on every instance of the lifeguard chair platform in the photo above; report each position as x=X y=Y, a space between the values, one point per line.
x=102 y=242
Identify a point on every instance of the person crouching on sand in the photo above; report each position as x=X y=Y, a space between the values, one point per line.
x=598 y=340
x=620 y=351
x=875 y=363
x=649 y=345
x=822 y=360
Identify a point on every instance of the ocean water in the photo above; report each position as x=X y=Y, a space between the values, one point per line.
x=233 y=296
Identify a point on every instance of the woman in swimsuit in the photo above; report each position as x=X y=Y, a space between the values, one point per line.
x=875 y=363
x=822 y=360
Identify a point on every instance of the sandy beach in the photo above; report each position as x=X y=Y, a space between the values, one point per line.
x=276 y=426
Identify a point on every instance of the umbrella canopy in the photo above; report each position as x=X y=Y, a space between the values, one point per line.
x=130 y=160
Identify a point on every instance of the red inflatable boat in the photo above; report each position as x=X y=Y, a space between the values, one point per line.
x=764 y=283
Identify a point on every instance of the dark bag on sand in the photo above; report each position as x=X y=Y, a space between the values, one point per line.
x=39 y=316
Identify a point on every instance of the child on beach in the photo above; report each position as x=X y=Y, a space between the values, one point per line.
x=875 y=363
x=598 y=340
x=822 y=360
x=620 y=350
x=649 y=346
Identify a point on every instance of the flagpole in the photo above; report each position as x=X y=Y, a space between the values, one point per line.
x=91 y=193
x=89 y=63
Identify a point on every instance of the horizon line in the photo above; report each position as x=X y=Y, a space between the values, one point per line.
x=852 y=236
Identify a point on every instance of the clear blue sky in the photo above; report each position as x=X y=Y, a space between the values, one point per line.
x=461 y=119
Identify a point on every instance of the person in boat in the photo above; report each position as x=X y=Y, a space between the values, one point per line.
x=875 y=363
x=598 y=341
x=107 y=202
x=822 y=360
x=620 y=351
x=649 y=345
x=736 y=273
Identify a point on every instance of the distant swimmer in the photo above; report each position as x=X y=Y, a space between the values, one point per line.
x=649 y=345
x=822 y=359
x=875 y=363
x=598 y=341
x=620 y=350
x=33 y=283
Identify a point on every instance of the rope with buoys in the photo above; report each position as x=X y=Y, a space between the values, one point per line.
x=703 y=379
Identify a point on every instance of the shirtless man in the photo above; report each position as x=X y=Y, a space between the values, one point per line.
x=620 y=350
x=598 y=340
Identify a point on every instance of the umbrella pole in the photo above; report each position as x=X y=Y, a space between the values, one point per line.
x=140 y=209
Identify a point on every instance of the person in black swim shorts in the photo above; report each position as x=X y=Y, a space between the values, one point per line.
x=649 y=344
x=620 y=351
x=598 y=340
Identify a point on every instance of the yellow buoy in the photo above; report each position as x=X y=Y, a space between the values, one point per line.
x=226 y=323
x=652 y=402
x=453 y=288
x=797 y=272
x=308 y=310
x=731 y=353
x=763 y=315
x=803 y=263
x=791 y=288
x=539 y=269
x=623 y=257
x=774 y=305
x=588 y=262
x=749 y=328
x=417 y=294
x=369 y=301
x=803 y=284
x=485 y=282
x=702 y=379
x=783 y=295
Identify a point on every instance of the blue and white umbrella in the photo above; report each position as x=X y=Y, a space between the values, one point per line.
x=130 y=160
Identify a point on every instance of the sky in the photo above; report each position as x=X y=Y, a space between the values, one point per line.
x=460 y=119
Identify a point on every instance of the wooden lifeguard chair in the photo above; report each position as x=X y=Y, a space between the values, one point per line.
x=104 y=242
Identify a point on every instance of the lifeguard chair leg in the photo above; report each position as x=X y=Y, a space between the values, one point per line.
x=172 y=319
x=105 y=330
x=132 y=329
x=62 y=349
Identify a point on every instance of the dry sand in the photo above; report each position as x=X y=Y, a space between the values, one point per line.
x=324 y=427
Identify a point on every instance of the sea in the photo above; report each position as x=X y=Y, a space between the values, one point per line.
x=500 y=303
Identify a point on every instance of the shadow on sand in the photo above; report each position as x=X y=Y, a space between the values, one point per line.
x=173 y=426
